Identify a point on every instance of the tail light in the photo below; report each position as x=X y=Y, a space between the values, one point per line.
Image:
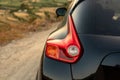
x=67 y=49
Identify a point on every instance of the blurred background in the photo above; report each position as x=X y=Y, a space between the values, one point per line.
x=24 y=28
x=20 y=17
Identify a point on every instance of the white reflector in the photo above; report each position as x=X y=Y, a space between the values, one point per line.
x=73 y=50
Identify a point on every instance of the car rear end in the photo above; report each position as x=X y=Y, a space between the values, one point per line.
x=87 y=47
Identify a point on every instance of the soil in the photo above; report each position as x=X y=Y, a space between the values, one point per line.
x=20 y=59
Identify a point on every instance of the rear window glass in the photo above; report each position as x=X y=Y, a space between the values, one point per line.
x=97 y=17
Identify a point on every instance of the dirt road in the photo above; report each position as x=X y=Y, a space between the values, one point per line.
x=20 y=59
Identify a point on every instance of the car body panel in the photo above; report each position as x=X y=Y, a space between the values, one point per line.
x=109 y=68
x=55 y=70
x=95 y=48
x=112 y=59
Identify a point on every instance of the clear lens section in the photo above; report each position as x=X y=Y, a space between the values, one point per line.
x=73 y=50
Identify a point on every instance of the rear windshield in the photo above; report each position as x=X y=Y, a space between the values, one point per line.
x=97 y=17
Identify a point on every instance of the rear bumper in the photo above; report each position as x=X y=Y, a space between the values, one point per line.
x=53 y=70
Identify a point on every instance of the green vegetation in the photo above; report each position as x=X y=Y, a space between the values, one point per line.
x=41 y=3
x=53 y=3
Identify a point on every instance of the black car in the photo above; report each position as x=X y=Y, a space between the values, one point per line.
x=86 y=45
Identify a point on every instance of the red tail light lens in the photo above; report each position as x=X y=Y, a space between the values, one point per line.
x=67 y=49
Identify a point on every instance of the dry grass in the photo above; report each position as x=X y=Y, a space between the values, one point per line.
x=11 y=29
x=8 y=36
x=17 y=24
x=18 y=31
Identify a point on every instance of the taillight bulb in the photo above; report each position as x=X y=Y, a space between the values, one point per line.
x=73 y=50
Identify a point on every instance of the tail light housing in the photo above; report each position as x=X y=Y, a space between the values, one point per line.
x=68 y=49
